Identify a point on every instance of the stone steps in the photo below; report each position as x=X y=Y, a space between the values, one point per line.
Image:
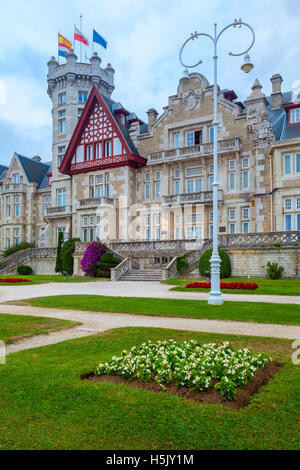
x=142 y=275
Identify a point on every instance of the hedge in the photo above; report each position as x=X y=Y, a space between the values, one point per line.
x=204 y=264
x=67 y=251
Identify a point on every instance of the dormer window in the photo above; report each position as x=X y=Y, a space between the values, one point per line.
x=295 y=116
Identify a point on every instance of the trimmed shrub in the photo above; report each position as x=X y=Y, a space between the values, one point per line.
x=24 y=270
x=182 y=263
x=106 y=262
x=58 y=263
x=225 y=268
x=91 y=257
x=21 y=246
x=67 y=251
x=274 y=271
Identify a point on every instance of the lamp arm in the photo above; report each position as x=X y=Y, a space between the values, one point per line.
x=234 y=25
x=193 y=36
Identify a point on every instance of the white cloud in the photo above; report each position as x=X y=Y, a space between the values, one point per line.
x=144 y=39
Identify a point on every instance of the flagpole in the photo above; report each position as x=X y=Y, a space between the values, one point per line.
x=58 y=47
x=80 y=42
x=93 y=41
x=74 y=48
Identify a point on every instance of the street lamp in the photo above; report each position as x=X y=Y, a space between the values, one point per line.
x=215 y=295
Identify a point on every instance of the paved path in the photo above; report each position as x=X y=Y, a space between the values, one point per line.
x=128 y=289
x=95 y=322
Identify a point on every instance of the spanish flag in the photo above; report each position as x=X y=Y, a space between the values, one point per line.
x=64 y=45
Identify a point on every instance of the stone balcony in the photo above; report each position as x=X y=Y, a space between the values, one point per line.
x=13 y=188
x=200 y=197
x=94 y=202
x=192 y=151
x=58 y=211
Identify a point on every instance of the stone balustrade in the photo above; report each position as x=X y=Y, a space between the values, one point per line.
x=181 y=153
x=57 y=211
x=154 y=246
x=13 y=188
x=260 y=239
x=93 y=202
x=199 y=197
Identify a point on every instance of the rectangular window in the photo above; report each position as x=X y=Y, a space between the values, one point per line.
x=157 y=176
x=99 y=179
x=288 y=222
x=99 y=191
x=245 y=213
x=147 y=191
x=62 y=113
x=17 y=210
x=176 y=141
x=157 y=189
x=157 y=219
x=177 y=233
x=82 y=96
x=89 y=152
x=62 y=126
x=211 y=168
x=194 y=171
x=194 y=231
x=245 y=162
x=295 y=116
x=297 y=162
x=287 y=164
x=176 y=174
x=245 y=227
x=157 y=233
x=211 y=134
x=231 y=214
x=210 y=182
x=79 y=112
x=61 y=197
x=108 y=148
x=62 y=98
x=231 y=181
x=211 y=216
x=245 y=179
x=147 y=177
x=98 y=150
x=107 y=190
x=147 y=234
x=211 y=229
x=190 y=138
x=148 y=220
x=298 y=221
x=288 y=204
x=15 y=178
x=60 y=154
x=231 y=165
x=231 y=228
x=297 y=202
x=177 y=187
x=117 y=146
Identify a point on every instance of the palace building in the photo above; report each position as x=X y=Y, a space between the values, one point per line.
x=114 y=177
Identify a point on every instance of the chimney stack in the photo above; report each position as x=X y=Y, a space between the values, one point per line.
x=152 y=116
x=276 y=91
x=36 y=158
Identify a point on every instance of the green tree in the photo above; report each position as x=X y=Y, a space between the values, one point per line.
x=58 y=264
x=67 y=251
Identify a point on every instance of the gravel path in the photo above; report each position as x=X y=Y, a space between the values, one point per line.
x=96 y=322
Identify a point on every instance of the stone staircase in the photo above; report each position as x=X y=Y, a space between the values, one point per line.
x=142 y=275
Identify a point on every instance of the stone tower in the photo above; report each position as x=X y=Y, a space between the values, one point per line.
x=68 y=87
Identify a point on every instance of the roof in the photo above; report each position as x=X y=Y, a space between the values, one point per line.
x=131 y=156
x=3 y=171
x=35 y=171
x=278 y=117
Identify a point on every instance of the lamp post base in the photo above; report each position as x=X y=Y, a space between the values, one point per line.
x=215 y=298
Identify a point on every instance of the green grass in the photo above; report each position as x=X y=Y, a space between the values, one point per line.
x=265 y=286
x=15 y=327
x=42 y=279
x=260 y=312
x=45 y=405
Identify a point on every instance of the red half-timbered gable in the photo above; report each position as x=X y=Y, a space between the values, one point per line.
x=99 y=140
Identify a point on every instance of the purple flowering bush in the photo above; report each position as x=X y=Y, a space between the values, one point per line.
x=91 y=257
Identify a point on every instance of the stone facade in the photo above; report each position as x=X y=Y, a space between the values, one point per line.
x=167 y=194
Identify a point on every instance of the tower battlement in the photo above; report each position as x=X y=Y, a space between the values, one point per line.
x=86 y=74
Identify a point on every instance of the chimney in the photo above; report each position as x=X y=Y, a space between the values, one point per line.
x=152 y=116
x=276 y=91
x=36 y=158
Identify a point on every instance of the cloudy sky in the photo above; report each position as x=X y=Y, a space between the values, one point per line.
x=144 y=39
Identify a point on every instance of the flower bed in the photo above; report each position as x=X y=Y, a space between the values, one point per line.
x=190 y=364
x=14 y=280
x=224 y=285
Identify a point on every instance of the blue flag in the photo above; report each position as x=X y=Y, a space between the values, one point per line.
x=99 y=39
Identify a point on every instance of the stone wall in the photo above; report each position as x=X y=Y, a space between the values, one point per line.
x=251 y=261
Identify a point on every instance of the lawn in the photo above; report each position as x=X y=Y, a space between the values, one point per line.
x=45 y=278
x=15 y=327
x=45 y=405
x=265 y=286
x=260 y=312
